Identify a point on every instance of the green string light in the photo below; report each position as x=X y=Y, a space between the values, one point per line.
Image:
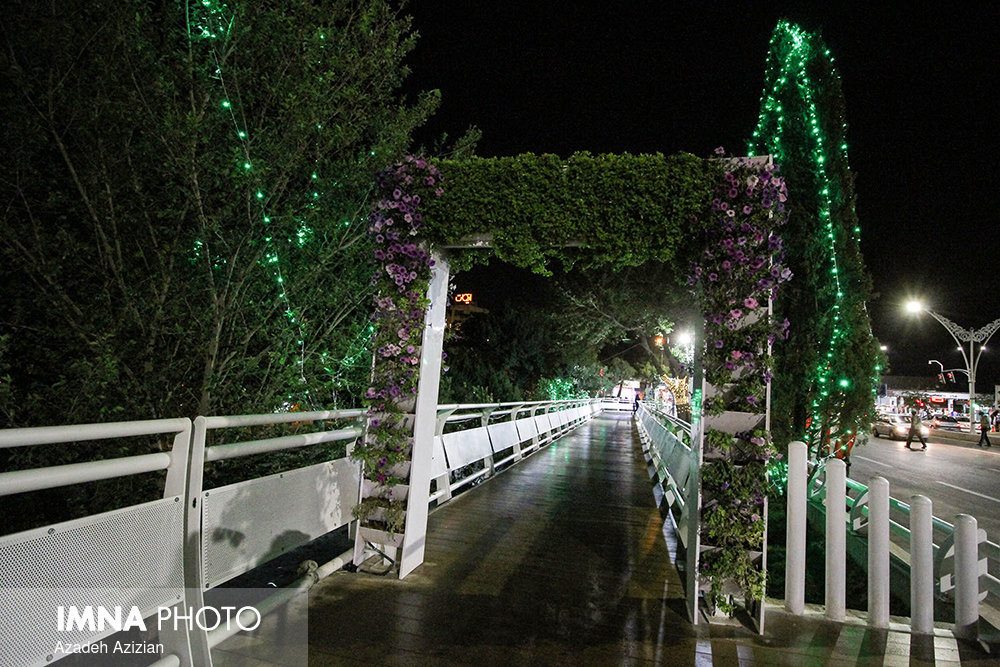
x=209 y=21
x=792 y=52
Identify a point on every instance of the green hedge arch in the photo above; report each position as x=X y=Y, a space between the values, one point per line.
x=596 y=210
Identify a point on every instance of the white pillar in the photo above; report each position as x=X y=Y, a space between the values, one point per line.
x=878 y=552
x=921 y=565
x=795 y=533
x=415 y=535
x=966 y=576
x=836 y=540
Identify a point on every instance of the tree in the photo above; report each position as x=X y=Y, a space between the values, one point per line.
x=185 y=188
x=826 y=374
x=601 y=309
x=500 y=355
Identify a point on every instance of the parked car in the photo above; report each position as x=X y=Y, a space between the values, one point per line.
x=895 y=426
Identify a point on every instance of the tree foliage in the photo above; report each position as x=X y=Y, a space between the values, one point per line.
x=603 y=309
x=827 y=372
x=185 y=188
x=542 y=209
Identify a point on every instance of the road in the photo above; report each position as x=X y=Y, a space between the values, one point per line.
x=958 y=477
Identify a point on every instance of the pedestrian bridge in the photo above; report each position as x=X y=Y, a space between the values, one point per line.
x=566 y=553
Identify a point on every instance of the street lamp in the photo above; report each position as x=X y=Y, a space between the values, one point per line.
x=970 y=336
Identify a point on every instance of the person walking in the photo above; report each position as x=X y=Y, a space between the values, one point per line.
x=984 y=428
x=915 y=425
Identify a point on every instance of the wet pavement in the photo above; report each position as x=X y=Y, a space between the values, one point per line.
x=564 y=559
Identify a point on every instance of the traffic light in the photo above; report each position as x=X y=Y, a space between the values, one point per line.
x=951 y=377
x=941 y=378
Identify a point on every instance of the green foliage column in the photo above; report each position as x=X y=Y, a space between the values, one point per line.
x=826 y=376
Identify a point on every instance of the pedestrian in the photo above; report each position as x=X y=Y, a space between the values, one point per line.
x=984 y=428
x=635 y=405
x=915 y=430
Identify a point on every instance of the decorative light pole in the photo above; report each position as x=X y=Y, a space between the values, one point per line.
x=961 y=335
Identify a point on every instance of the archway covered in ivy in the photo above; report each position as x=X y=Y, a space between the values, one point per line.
x=715 y=221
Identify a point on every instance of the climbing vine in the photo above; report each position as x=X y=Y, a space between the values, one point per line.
x=736 y=277
x=400 y=302
x=595 y=210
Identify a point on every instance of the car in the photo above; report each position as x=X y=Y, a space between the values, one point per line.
x=945 y=422
x=895 y=426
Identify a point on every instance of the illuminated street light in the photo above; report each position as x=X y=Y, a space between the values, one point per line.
x=970 y=336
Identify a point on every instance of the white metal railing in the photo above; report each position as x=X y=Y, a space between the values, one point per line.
x=473 y=441
x=176 y=549
x=958 y=563
x=285 y=510
x=168 y=552
x=666 y=444
x=69 y=563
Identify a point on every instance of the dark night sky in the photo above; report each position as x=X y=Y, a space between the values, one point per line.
x=644 y=77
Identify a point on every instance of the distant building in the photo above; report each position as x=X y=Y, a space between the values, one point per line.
x=461 y=308
x=894 y=389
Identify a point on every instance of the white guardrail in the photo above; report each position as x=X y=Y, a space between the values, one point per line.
x=666 y=442
x=935 y=549
x=169 y=552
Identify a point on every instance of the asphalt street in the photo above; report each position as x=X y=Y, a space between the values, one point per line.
x=958 y=477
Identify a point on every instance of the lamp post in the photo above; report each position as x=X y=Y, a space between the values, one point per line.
x=971 y=358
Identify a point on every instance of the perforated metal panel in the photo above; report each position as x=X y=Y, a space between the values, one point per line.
x=439 y=466
x=465 y=447
x=249 y=523
x=125 y=558
x=543 y=424
x=526 y=428
x=502 y=435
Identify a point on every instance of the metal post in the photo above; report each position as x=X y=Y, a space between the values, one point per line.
x=878 y=552
x=972 y=363
x=425 y=418
x=921 y=565
x=795 y=535
x=966 y=576
x=836 y=539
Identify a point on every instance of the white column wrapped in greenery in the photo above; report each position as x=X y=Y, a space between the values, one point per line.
x=737 y=278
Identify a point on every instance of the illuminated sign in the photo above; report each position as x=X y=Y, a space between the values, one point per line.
x=463 y=298
x=935 y=399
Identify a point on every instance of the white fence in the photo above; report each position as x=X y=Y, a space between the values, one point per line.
x=666 y=441
x=170 y=551
x=472 y=442
x=935 y=550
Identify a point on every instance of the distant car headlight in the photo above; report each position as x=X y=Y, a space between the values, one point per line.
x=900 y=428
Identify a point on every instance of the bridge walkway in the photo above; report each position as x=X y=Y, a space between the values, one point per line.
x=565 y=559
